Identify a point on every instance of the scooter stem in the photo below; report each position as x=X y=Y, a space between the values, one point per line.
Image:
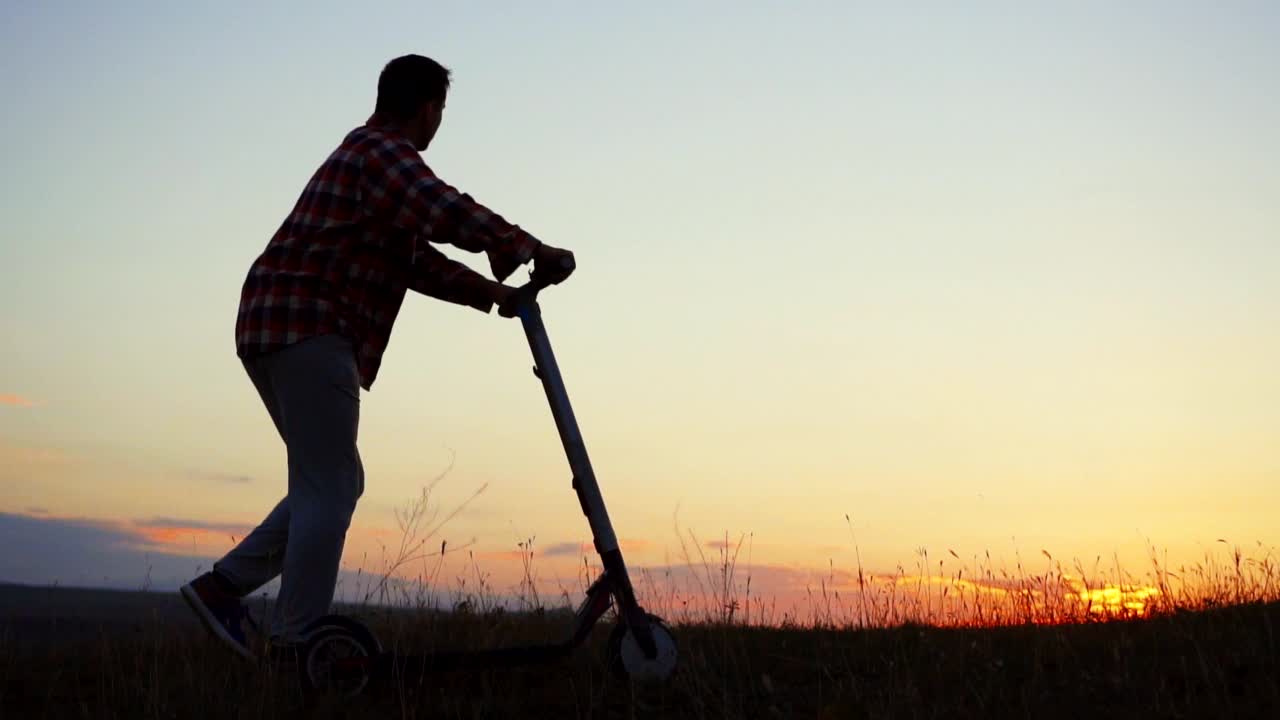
x=584 y=478
x=575 y=449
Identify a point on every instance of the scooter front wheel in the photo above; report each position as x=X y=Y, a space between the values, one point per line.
x=627 y=659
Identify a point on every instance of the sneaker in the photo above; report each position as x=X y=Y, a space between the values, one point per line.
x=221 y=612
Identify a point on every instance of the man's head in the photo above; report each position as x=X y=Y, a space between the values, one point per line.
x=411 y=95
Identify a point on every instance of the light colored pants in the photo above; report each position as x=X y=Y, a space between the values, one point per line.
x=312 y=391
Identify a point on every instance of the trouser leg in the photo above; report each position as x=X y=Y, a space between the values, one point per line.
x=312 y=391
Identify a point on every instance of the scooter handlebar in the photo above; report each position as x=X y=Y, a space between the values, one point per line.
x=538 y=281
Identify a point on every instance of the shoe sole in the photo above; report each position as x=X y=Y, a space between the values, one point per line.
x=211 y=623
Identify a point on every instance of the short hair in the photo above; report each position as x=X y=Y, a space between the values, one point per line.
x=408 y=82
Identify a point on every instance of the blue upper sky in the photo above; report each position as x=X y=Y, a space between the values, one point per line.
x=967 y=272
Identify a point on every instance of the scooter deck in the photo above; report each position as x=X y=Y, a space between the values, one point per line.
x=451 y=661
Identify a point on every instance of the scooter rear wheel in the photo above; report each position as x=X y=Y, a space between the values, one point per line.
x=337 y=661
x=350 y=624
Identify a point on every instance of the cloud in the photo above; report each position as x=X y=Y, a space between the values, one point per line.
x=170 y=523
x=217 y=477
x=776 y=578
x=633 y=545
x=566 y=549
x=160 y=531
x=576 y=549
x=144 y=535
x=83 y=552
x=17 y=401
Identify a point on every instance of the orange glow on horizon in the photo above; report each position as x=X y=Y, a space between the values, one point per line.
x=1107 y=599
x=181 y=537
x=761 y=594
x=1114 y=600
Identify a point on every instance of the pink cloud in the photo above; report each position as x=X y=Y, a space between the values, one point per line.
x=156 y=533
x=572 y=549
x=17 y=401
x=634 y=544
x=162 y=531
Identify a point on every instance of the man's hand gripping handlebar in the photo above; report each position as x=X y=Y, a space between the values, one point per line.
x=550 y=267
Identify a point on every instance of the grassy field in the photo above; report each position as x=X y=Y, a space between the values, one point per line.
x=99 y=654
x=975 y=641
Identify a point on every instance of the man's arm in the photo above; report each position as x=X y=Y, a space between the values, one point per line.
x=400 y=189
x=435 y=275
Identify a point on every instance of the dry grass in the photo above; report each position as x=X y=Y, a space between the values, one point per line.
x=975 y=641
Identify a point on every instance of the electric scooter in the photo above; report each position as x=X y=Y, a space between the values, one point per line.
x=342 y=655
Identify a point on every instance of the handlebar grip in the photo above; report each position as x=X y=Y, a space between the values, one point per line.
x=528 y=293
x=552 y=276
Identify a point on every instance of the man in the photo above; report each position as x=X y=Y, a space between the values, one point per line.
x=316 y=312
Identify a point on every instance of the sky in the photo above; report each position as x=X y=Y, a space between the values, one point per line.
x=856 y=280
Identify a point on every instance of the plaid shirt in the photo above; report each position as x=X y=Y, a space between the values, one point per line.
x=357 y=239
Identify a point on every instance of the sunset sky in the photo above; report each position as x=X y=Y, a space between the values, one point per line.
x=981 y=276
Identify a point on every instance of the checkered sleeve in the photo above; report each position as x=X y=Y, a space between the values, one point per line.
x=435 y=275
x=405 y=192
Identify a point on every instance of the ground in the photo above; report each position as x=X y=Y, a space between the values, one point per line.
x=102 y=654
